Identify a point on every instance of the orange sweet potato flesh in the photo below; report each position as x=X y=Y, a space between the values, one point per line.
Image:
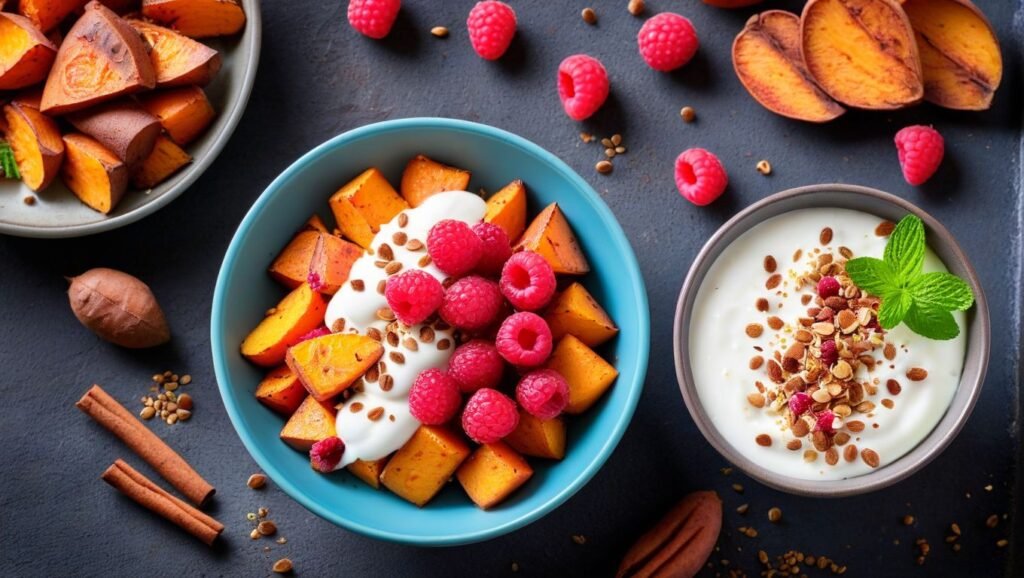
x=766 y=57
x=46 y=14
x=36 y=141
x=300 y=312
x=540 y=438
x=426 y=462
x=331 y=262
x=291 y=267
x=551 y=236
x=330 y=364
x=177 y=59
x=368 y=471
x=197 y=18
x=183 y=112
x=122 y=126
x=587 y=374
x=281 y=391
x=93 y=173
x=576 y=312
x=492 y=473
x=311 y=422
x=26 y=55
x=424 y=177
x=960 y=54
x=862 y=53
x=507 y=209
x=364 y=204
x=164 y=161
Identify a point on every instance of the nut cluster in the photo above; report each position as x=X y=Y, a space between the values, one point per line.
x=165 y=401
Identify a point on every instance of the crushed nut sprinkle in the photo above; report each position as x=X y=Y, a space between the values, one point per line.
x=358 y=285
x=403 y=219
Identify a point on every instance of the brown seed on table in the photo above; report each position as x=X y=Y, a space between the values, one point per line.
x=825 y=237
x=688 y=114
x=955 y=528
x=742 y=509
x=604 y=167
x=917 y=374
x=992 y=521
x=764 y=167
x=607 y=143
x=147 y=412
x=609 y=152
x=256 y=481
x=262 y=513
x=754 y=330
x=738 y=488
x=282 y=566
x=616 y=139
x=620 y=150
x=255 y=534
x=589 y=16
x=635 y=7
x=1002 y=543
x=171 y=386
x=185 y=379
x=764 y=440
x=267 y=528
x=774 y=515
x=439 y=31
x=183 y=414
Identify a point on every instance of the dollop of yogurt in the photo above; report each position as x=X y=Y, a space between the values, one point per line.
x=356 y=308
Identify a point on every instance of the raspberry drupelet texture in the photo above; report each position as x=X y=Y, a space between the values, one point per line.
x=544 y=393
x=700 y=176
x=373 y=18
x=582 y=85
x=471 y=303
x=829 y=353
x=527 y=281
x=454 y=247
x=318 y=332
x=491 y=26
x=667 y=41
x=489 y=416
x=799 y=403
x=496 y=249
x=524 y=340
x=434 y=397
x=413 y=296
x=920 y=150
x=476 y=365
x=828 y=287
x=325 y=455
x=825 y=422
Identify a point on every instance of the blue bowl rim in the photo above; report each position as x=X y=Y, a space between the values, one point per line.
x=616 y=236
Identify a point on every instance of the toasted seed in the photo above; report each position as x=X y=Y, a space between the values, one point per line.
x=825 y=237
x=262 y=513
x=773 y=281
x=800 y=428
x=282 y=566
x=183 y=414
x=764 y=167
x=439 y=31
x=589 y=16
x=885 y=228
x=917 y=374
x=171 y=386
x=794 y=445
x=604 y=167
x=742 y=509
x=185 y=379
x=756 y=399
x=256 y=481
x=607 y=143
x=756 y=362
x=687 y=113
x=172 y=418
x=393 y=267
x=762 y=304
x=267 y=528
x=754 y=330
x=774 y=515
x=992 y=521
x=255 y=534
x=831 y=456
x=147 y=412
x=375 y=414
x=763 y=440
x=870 y=457
x=1002 y=543
x=850 y=453
x=775 y=323
x=855 y=426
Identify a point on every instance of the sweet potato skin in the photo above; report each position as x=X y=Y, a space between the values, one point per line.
x=122 y=126
x=32 y=63
x=46 y=14
x=183 y=112
x=177 y=59
x=197 y=18
x=93 y=173
x=119 y=308
x=37 y=144
x=164 y=161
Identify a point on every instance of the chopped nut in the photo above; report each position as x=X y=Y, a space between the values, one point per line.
x=147 y=412
x=267 y=528
x=282 y=566
x=604 y=167
x=754 y=330
x=256 y=481
x=764 y=167
x=687 y=113
x=774 y=515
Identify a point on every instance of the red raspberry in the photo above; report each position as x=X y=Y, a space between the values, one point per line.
x=829 y=353
x=471 y=303
x=414 y=295
x=373 y=18
x=920 y=149
x=667 y=41
x=524 y=340
x=527 y=281
x=496 y=249
x=491 y=27
x=582 y=85
x=799 y=403
x=828 y=287
x=700 y=176
x=454 y=247
x=434 y=397
x=318 y=332
x=325 y=455
x=475 y=365
x=489 y=416
x=544 y=393
x=315 y=283
x=825 y=422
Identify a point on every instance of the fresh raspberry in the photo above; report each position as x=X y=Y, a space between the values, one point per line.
x=325 y=455
x=414 y=295
x=524 y=340
x=527 y=281
x=471 y=303
x=582 y=85
x=373 y=18
x=799 y=403
x=491 y=27
x=825 y=422
x=544 y=393
x=489 y=416
x=475 y=365
x=496 y=249
x=315 y=283
x=828 y=287
x=920 y=149
x=454 y=247
x=700 y=176
x=667 y=41
x=829 y=353
x=318 y=332
x=434 y=397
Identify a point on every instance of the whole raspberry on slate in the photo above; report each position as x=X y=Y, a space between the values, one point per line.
x=325 y=455
x=700 y=176
x=527 y=281
x=454 y=247
x=920 y=150
x=413 y=295
x=491 y=26
x=524 y=340
x=582 y=85
x=475 y=365
x=496 y=249
x=667 y=41
x=471 y=303
x=489 y=416
x=434 y=397
x=544 y=393
x=373 y=18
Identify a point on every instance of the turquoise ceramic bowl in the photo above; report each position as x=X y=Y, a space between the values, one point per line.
x=244 y=291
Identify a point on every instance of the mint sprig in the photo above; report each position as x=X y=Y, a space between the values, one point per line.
x=8 y=166
x=922 y=301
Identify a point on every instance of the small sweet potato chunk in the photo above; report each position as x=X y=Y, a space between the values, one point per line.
x=300 y=312
x=123 y=127
x=419 y=470
x=164 y=161
x=551 y=236
x=575 y=312
x=311 y=422
x=281 y=391
x=183 y=112
x=26 y=55
x=540 y=438
x=492 y=473
x=862 y=52
x=178 y=60
x=332 y=260
x=587 y=373
x=94 y=173
x=315 y=223
x=197 y=18
x=37 y=145
x=101 y=58
x=766 y=57
x=368 y=471
x=46 y=14
x=329 y=364
x=364 y=204
x=507 y=209
x=424 y=177
x=291 y=267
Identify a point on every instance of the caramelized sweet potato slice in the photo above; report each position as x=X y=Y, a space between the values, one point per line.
x=37 y=144
x=197 y=18
x=551 y=236
x=300 y=312
x=291 y=267
x=311 y=422
x=315 y=223
x=426 y=462
x=94 y=173
x=101 y=58
x=364 y=204
x=123 y=127
x=329 y=364
x=184 y=112
x=332 y=260
x=46 y=14
x=540 y=438
x=177 y=59
x=587 y=373
x=164 y=161
x=492 y=473
x=368 y=471
x=281 y=391
x=575 y=312
x=424 y=177
x=26 y=55
x=507 y=209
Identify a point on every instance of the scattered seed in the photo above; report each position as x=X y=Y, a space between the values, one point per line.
x=885 y=228
x=589 y=16
x=738 y=488
x=955 y=528
x=762 y=304
x=267 y=528
x=579 y=539
x=764 y=440
x=256 y=481
x=870 y=457
x=185 y=379
x=262 y=513
x=917 y=374
x=1002 y=543
x=609 y=152
x=773 y=281
x=688 y=114
x=255 y=534
x=825 y=237
x=147 y=412
x=375 y=414
x=29 y=200
x=604 y=167
x=992 y=521
x=439 y=31
x=635 y=7
x=764 y=167
x=774 y=515
x=251 y=516
x=282 y=566
x=754 y=330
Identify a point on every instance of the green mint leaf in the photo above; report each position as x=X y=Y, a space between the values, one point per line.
x=8 y=166
x=942 y=291
x=931 y=322
x=872 y=275
x=895 y=306
x=904 y=253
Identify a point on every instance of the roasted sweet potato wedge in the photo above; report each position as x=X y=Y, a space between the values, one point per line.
x=329 y=364
x=197 y=18
x=291 y=266
x=364 y=204
x=424 y=177
x=184 y=112
x=46 y=14
x=332 y=260
x=541 y=438
x=94 y=173
x=576 y=312
x=101 y=58
x=311 y=422
x=123 y=127
x=587 y=373
x=507 y=209
x=281 y=391
x=492 y=473
x=551 y=236
x=177 y=59
x=37 y=144
x=26 y=54
x=164 y=161
x=300 y=312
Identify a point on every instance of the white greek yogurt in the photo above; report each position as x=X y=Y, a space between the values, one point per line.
x=367 y=439
x=720 y=349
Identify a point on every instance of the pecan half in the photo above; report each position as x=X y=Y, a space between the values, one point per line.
x=680 y=543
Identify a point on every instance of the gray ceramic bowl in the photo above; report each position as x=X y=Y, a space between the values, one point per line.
x=58 y=213
x=883 y=205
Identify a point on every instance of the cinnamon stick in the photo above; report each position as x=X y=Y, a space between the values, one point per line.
x=119 y=421
x=142 y=490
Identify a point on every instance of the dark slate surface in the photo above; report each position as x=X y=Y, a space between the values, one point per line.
x=317 y=79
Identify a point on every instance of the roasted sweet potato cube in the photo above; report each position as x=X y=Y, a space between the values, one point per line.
x=540 y=438
x=46 y=14
x=551 y=236
x=329 y=364
x=492 y=473
x=123 y=127
x=197 y=18
x=368 y=471
x=93 y=173
x=575 y=312
x=300 y=312
x=183 y=112
x=364 y=204
x=177 y=59
x=291 y=267
x=37 y=145
x=281 y=391
x=587 y=373
x=311 y=422
x=164 y=161
x=26 y=54
x=507 y=209
x=419 y=470
x=332 y=260
x=315 y=223
x=424 y=177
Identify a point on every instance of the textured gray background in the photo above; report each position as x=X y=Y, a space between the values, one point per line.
x=317 y=79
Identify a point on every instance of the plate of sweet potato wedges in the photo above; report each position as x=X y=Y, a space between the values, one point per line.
x=109 y=109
